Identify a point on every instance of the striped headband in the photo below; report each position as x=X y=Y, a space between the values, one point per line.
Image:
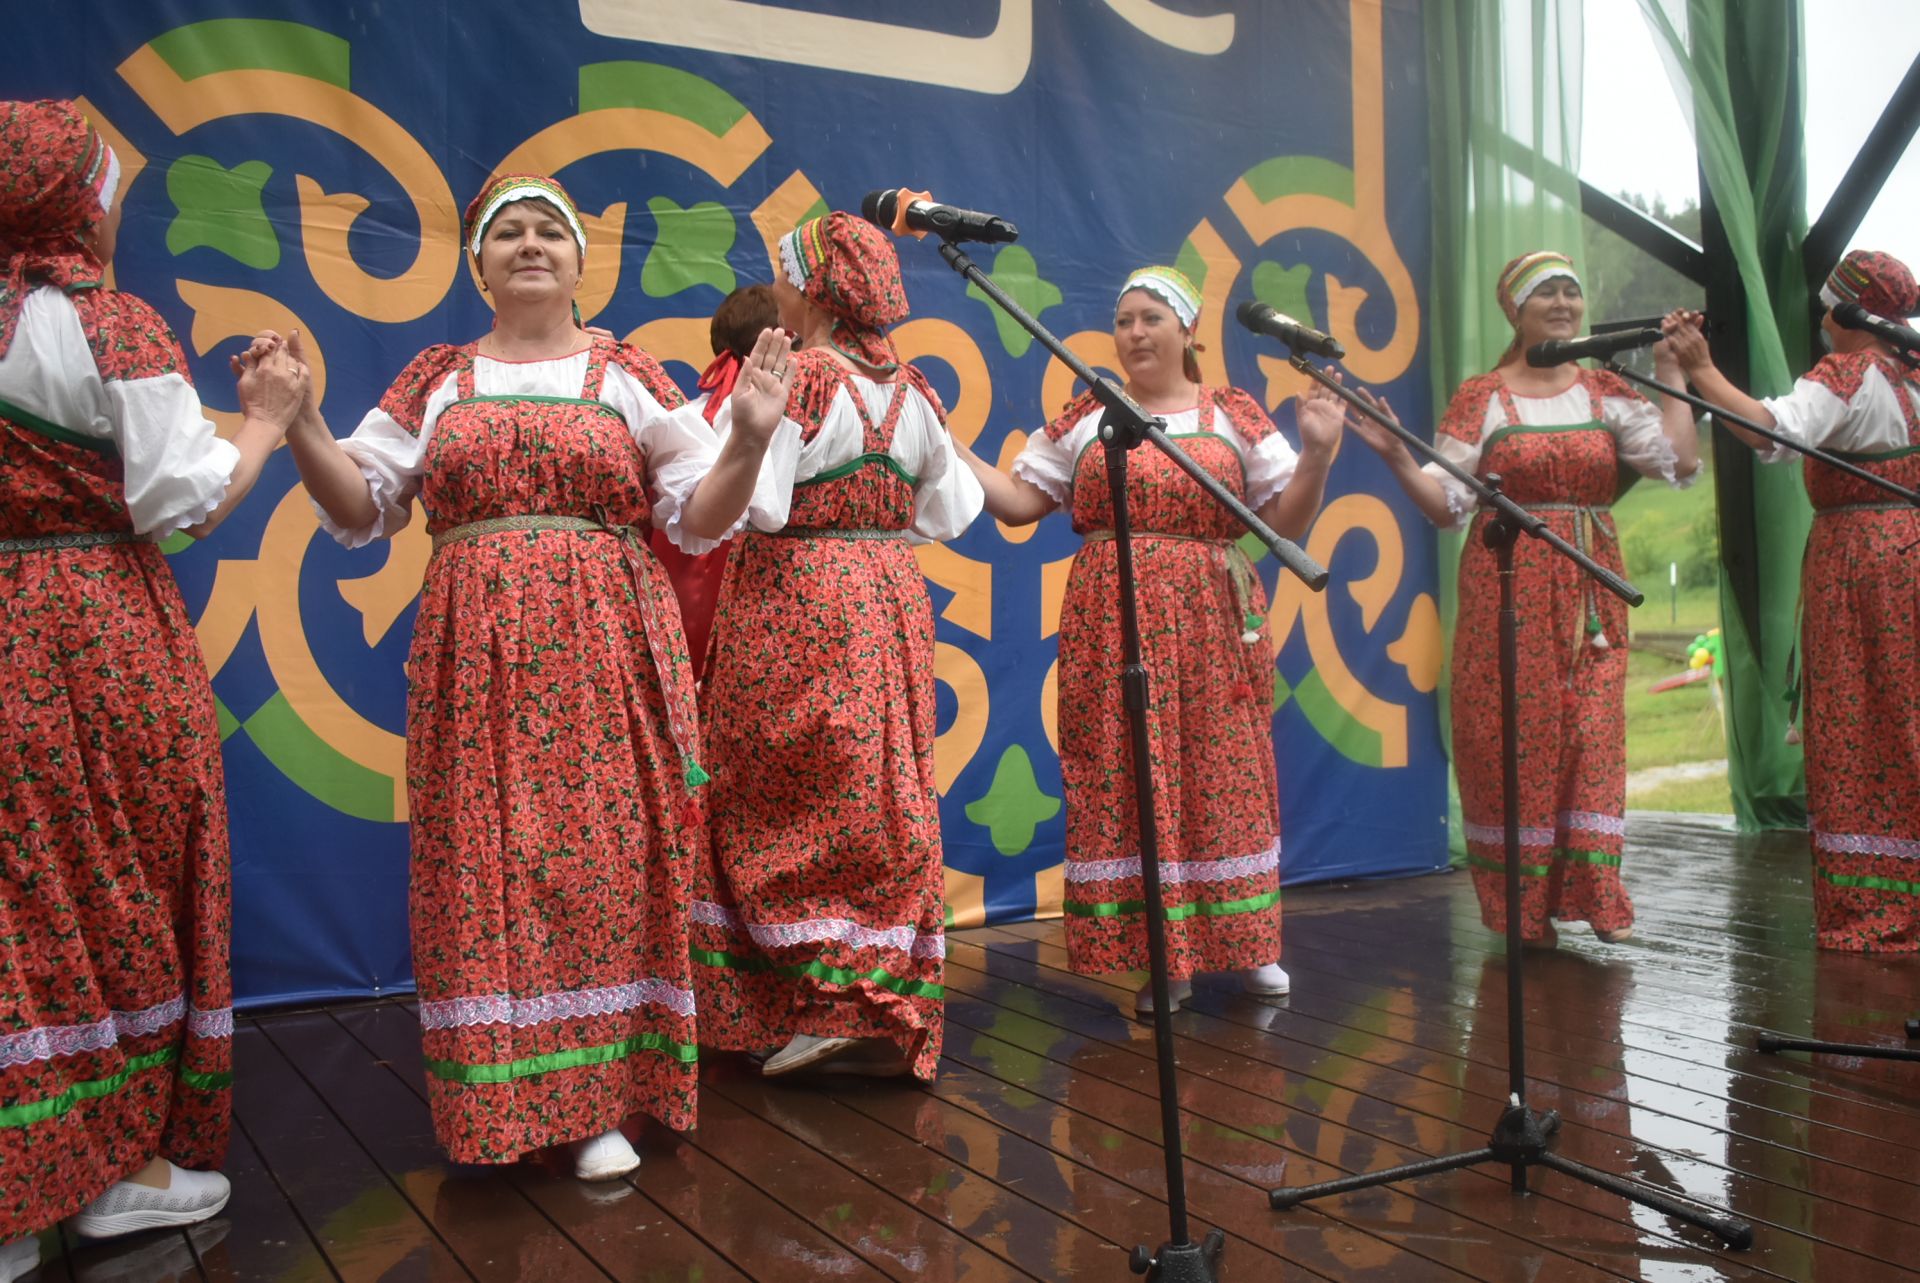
x=508 y=188
x=100 y=170
x=802 y=250
x=1170 y=287
x=1528 y=273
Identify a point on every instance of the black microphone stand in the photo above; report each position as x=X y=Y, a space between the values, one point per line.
x=1832 y=460
x=1771 y=1043
x=1123 y=426
x=1522 y=1137
x=1126 y=425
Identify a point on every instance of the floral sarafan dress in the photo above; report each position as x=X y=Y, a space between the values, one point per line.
x=116 y=1016
x=551 y=740
x=1209 y=663
x=825 y=916
x=1559 y=457
x=1860 y=651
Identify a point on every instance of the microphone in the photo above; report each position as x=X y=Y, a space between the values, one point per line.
x=910 y=213
x=1852 y=316
x=1262 y=319
x=1601 y=346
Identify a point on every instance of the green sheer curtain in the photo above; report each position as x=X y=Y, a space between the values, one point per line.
x=1505 y=146
x=1738 y=65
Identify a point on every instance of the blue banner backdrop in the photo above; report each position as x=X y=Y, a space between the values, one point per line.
x=303 y=165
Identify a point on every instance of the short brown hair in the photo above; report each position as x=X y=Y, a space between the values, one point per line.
x=742 y=315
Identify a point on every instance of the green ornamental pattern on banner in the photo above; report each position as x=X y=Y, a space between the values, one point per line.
x=303 y=168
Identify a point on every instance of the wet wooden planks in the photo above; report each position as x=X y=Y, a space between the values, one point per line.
x=1036 y=1155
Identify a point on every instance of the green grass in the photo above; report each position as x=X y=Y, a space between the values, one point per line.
x=1663 y=530
x=1670 y=727
x=1660 y=529
x=1694 y=611
x=1708 y=796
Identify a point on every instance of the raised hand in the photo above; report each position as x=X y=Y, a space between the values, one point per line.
x=1685 y=347
x=1384 y=443
x=760 y=394
x=1319 y=415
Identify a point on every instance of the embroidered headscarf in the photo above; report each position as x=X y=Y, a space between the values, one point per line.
x=1520 y=278
x=847 y=266
x=1880 y=283
x=1170 y=287
x=503 y=190
x=58 y=178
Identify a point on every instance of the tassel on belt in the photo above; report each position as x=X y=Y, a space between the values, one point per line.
x=1588 y=525
x=1240 y=572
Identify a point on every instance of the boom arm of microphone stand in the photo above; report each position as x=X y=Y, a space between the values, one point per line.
x=1515 y=515
x=1812 y=452
x=1138 y=423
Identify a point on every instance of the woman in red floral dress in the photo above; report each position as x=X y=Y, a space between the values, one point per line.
x=1203 y=624
x=1860 y=593
x=1557 y=437
x=551 y=726
x=822 y=935
x=116 y=1015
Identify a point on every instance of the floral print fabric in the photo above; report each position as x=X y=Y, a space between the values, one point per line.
x=1861 y=681
x=1571 y=679
x=554 y=833
x=823 y=913
x=116 y=1013
x=1209 y=661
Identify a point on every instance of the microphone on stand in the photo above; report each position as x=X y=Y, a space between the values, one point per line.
x=1602 y=347
x=1261 y=318
x=911 y=213
x=1851 y=316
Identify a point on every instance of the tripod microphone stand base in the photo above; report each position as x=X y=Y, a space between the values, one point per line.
x=1522 y=1139
x=1771 y=1043
x=1182 y=1263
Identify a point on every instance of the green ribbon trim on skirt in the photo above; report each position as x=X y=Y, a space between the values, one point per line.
x=30 y=1112
x=1864 y=882
x=1176 y=913
x=821 y=971
x=465 y=1072
x=206 y=1082
x=1600 y=858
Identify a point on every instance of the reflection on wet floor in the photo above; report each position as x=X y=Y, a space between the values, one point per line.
x=1036 y=1155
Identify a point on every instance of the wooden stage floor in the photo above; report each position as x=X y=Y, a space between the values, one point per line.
x=1035 y=1155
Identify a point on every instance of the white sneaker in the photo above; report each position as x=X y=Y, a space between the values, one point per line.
x=19 y=1257
x=126 y=1208
x=1266 y=982
x=1178 y=991
x=804 y=1050
x=605 y=1157
x=869 y=1058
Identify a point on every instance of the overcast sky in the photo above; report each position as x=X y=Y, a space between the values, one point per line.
x=1636 y=139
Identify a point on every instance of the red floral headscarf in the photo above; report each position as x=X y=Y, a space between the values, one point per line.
x=847 y=266
x=503 y=190
x=58 y=178
x=1880 y=283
